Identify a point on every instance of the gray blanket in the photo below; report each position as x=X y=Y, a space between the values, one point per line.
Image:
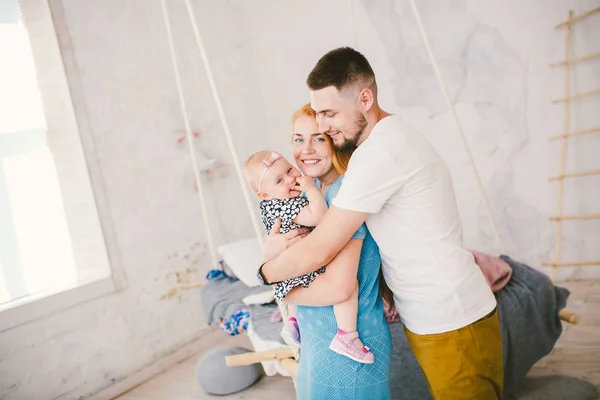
x=527 y=307
x=261 y=322
x=222 y=297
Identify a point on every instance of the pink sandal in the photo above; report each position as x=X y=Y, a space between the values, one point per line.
x=344 y=344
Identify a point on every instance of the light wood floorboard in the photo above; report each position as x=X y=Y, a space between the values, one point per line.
x=577 y=353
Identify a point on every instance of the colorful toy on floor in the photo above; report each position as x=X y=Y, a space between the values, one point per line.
x=237 y=323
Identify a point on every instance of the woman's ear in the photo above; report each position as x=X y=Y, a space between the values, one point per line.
x=263 y=195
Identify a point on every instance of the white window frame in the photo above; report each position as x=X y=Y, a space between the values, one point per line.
x=52 y=51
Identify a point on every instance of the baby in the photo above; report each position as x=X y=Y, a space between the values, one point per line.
x=280 y=186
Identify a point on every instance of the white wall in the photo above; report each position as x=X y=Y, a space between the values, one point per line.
x=122 y=81
x=494 y=57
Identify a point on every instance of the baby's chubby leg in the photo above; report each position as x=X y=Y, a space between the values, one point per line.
x=346 y=312
x=347 y=342
x=291 y=311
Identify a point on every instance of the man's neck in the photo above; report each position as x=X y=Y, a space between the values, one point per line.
x=374 y=115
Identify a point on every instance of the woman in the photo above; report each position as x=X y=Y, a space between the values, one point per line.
x=324 y=374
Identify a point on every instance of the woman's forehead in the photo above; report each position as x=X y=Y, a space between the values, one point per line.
x=305 y=121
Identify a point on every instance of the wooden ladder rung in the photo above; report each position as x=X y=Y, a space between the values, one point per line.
x=575 y=133
x=570 y=264
x=574 y=217
x=569 y=316
x=576 y=60
x=575 y=174
x=568 y=60
x=577 y=96
x=577 y=18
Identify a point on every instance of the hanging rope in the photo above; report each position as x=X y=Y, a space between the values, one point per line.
x=188 y=132
x=457 y=121
x=215 y=93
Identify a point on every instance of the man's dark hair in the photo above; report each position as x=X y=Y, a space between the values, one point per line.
x=341 y=67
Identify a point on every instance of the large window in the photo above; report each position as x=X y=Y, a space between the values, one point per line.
x=50 y=235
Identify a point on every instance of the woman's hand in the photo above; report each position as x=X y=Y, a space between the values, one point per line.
x=278 y=242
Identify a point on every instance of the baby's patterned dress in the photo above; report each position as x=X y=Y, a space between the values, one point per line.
x=287 y=210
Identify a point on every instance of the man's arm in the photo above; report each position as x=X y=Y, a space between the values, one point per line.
x=333 y=286
x=318 y=248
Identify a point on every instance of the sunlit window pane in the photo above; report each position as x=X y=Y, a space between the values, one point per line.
x=36 y=253
x=39 y=220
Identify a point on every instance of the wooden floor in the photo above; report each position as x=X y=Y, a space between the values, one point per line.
x=179 y=382
x=577 y=354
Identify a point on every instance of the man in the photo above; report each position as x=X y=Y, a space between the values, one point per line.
x=399 y=185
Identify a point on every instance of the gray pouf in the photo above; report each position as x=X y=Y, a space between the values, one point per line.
x=215 y=377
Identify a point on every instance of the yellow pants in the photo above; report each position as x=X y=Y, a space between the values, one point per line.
x=462 y=364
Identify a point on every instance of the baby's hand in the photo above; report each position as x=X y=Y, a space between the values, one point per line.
x=305 y=183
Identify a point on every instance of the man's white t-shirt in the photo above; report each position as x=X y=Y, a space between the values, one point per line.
x=396 y=176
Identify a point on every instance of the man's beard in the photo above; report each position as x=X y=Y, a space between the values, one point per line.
x=350 y=144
